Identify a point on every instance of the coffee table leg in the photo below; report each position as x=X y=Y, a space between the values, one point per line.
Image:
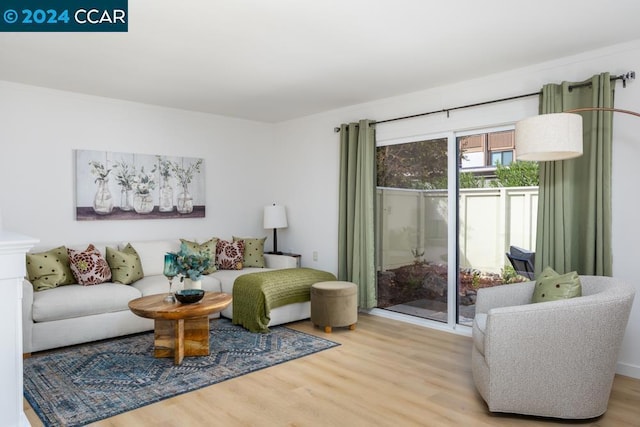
x=164 y=338
x=169 y=339
x=178 y=351
x=180 y=338
x=196 y=336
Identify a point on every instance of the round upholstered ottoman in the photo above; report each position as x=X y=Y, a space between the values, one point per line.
x=334 y=304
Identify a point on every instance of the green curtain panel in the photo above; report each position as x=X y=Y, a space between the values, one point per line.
x=356 y=244
x=574 y=206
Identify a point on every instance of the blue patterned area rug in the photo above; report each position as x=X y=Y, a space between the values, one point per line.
x=83 y=384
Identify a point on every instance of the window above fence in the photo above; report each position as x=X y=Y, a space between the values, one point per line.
x=482 y=152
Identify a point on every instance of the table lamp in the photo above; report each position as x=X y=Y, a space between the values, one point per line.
x=275 y=217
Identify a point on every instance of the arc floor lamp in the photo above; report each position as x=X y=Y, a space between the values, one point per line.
x=555 y=136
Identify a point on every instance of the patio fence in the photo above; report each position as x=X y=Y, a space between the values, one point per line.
x=412 y=224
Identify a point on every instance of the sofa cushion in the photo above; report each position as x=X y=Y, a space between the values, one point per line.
x=253 y=251
x=479 y=328
x=125 y=265
x=552 y=286
x=73 y=301
x=152 y=253
x=208 y=246
x=152 y=285
x=230 y=255
x=49 y=269
x=89 y=266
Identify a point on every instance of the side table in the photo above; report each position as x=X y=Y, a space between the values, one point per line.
x=296 y=256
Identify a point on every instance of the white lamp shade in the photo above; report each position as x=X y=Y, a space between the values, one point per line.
x=548 y=137
x=275 y=216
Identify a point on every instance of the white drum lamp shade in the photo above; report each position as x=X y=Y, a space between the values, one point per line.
x=548 y=137
x=275 y=217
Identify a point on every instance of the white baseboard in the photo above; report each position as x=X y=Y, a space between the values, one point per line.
x=628 y=370
x=24 y=421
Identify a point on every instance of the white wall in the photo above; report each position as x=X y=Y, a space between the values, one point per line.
x=308 y=153
x=40 y=128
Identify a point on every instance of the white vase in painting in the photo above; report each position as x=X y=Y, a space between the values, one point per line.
x=166 y=197
x=103 y=201
x=142 y=203
x=185 y=202
x=126 y=202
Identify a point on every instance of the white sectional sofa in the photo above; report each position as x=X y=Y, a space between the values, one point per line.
x=73 y=314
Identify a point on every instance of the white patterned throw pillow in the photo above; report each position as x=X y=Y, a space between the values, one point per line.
x=89 y=266
x=229 y=255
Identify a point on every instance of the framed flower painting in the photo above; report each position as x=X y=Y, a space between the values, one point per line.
x=112 y=185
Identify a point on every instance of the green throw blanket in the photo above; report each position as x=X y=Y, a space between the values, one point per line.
x=255 y=294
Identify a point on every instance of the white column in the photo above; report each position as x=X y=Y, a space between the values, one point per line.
x=13 y=248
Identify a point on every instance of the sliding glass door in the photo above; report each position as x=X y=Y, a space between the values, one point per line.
x=412 y=230
x=497 y=205
x=448 y=210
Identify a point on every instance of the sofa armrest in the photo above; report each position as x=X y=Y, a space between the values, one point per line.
x=27 y=315
x=504 y=296
x=278 y=262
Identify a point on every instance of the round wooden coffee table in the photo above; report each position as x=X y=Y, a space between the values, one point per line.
x=180 y=329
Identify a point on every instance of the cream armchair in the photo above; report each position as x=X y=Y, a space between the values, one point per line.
x=552 y=359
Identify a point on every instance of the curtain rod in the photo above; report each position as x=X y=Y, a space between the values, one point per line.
x=631 y=75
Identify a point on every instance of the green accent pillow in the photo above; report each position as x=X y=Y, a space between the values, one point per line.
x=125 y=265
x=552 y=286
x=253 y=251
x=548 y=272
x=209 y=245
x=47 y=270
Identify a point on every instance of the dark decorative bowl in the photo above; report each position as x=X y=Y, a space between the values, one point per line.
x=189 y=296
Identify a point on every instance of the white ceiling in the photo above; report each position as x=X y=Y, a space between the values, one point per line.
x=274 y=60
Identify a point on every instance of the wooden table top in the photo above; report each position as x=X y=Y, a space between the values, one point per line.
x=154 y=306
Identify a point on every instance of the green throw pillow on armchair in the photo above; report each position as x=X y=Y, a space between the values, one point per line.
x=551 y=286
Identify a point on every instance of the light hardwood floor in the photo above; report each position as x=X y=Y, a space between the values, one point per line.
x=385 y=373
